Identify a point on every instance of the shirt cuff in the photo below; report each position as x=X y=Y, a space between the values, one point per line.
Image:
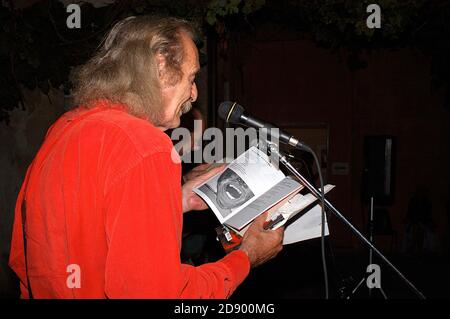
x=239 y=263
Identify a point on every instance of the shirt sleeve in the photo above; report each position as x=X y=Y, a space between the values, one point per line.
x=143 y=228
x=17 y=254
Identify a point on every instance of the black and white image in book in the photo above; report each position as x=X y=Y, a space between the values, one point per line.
x=228 y=191
x=247 y=187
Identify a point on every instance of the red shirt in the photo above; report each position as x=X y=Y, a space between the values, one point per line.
x=104 y=194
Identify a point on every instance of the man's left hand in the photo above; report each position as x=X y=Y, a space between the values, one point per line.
x=191 y=201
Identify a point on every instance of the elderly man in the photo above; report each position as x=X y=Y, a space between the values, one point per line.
x=102 y=202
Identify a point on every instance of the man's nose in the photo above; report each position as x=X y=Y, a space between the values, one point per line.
x=194 y=92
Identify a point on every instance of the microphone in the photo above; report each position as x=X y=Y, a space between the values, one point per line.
x=232 y=112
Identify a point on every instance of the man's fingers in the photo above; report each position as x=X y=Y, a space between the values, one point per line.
x=280 y=232
x=202 y=167
x=211 y=172
x=203 y=176
x=216 y=167
x=207 y=167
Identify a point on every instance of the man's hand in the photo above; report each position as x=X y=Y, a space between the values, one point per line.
x=195 y=177
x=261 y=245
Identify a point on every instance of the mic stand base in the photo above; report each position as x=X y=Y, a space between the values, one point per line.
x=364 y=278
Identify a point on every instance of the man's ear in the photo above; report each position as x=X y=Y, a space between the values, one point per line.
x=161 y=65
x=164 y=75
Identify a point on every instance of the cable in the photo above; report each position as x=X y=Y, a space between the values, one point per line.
x=322 y=204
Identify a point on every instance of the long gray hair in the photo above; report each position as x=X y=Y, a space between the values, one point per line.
x=124 y=69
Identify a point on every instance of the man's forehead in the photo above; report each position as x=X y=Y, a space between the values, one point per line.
x=194 y=62
x=196 y=68
x=191 y=54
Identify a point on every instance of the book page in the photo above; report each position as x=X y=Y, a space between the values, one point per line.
x=296 y=204
x=288 y=209
x=307 y=226
x=242 y=182
x=272 y=196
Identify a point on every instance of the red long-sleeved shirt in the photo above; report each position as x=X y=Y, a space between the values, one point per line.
x=103 y=193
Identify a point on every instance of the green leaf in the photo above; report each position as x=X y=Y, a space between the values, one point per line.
x=211 y=18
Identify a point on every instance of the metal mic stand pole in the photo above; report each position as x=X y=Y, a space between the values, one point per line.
x=371 y=228
x=282 y=158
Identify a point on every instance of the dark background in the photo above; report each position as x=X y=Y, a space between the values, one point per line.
x=296 y=64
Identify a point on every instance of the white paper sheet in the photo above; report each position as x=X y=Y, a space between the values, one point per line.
x=308 y=226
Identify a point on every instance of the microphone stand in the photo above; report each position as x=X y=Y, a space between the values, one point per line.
x=273 y=148
x=371 y=229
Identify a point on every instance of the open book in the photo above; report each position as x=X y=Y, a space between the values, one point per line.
x=251 y=185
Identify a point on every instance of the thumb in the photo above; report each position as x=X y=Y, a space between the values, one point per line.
x=261 y=219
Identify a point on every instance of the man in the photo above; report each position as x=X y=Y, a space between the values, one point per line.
x=102 y=201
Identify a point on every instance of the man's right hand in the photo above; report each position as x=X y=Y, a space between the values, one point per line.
x=259 y=244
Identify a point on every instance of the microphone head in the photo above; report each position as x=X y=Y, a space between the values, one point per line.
x=230 y=112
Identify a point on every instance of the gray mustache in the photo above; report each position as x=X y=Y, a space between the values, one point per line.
x=187 y=106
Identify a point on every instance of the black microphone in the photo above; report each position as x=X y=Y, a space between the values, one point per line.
x=233 y=113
